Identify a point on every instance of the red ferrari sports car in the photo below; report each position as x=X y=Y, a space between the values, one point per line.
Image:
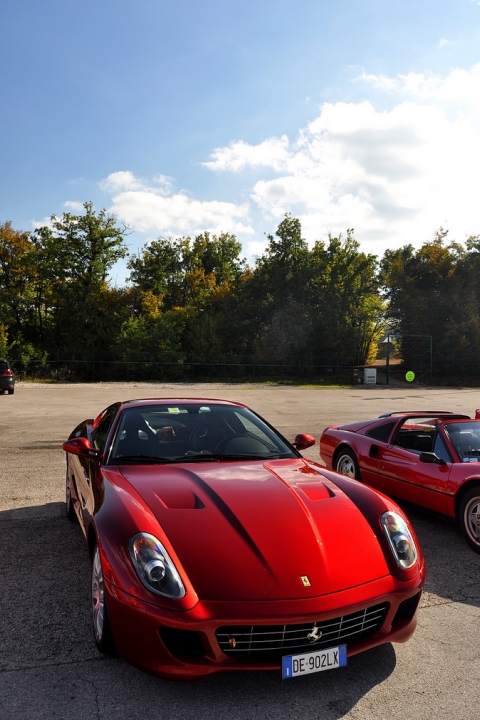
x=215 y=546
x=428 y=458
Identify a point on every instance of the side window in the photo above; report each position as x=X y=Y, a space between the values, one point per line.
x=100 y=432
x=382 y=432
x=440 y=449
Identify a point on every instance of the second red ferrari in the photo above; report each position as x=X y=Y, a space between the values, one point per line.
x=431 y=458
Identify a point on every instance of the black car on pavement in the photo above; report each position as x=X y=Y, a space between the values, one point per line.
x=7 y=378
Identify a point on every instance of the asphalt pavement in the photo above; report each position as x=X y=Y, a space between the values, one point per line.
x=49 y=665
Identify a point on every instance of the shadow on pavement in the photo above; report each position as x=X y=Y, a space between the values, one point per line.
x=48 y=657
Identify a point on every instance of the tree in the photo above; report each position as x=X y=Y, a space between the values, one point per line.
x=428 y=293
x=17 y=277
x=344 y=290
x=74 y=257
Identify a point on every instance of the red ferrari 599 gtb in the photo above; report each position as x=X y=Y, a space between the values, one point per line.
x=215 y=546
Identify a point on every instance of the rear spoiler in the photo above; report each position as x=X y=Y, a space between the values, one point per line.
x=429 y=413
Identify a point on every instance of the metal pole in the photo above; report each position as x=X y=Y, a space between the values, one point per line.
x=388 y=360
x=431 y=360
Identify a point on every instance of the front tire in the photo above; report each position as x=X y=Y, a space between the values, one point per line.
x=102 y=631
x=469 y=517
x=69 y=509
x=346 y=464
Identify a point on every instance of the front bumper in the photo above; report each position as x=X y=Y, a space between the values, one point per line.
x=184 y=645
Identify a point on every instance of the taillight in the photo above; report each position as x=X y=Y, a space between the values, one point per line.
x=7 y=372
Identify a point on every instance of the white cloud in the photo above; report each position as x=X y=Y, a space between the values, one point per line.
x=74 y=205
x=459 y=90
x=239 y=155
x=155 y=208
x=394 y=175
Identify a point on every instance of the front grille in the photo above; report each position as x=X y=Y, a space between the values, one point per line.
x=273 y=641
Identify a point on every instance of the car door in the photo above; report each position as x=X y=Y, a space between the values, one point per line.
x=88 y=469
x=406 y=476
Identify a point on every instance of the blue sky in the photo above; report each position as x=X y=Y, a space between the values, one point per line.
x=185 y=116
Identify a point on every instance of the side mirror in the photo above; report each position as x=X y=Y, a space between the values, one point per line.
x=430 y=457
x=303 y=441
x=81 y=446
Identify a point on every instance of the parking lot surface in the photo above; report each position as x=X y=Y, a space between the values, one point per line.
x=49 y=665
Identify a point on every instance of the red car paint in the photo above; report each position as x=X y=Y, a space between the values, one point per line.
x=243 y=534
x=430 y=458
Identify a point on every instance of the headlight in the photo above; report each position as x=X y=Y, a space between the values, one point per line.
x=154 y=566
x=400 y=539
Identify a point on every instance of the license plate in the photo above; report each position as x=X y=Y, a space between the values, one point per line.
x=295 y=665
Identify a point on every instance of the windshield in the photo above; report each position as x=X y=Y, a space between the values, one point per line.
x=193 y=432
x=465 y=438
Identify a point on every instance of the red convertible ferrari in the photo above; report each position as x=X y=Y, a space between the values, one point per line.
x=215 y=546
x=428 y=458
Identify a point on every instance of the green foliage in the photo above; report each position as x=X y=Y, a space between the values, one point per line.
x=4 y=346
x=186 y=272
x=195 y=298
x=434 y=291
x=26 y=358
x=17 y=277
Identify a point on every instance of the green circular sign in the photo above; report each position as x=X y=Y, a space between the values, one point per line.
x=410 y=376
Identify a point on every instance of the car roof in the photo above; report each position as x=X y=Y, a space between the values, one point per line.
x=168 y=400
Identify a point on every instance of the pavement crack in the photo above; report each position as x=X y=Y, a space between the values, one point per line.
x=42 y=666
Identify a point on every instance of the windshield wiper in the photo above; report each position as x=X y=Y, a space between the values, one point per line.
x=248 y=457
x=216 y=457
x=226 y=456
x=196 y=458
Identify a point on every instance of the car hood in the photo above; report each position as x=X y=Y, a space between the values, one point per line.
x=253 y=530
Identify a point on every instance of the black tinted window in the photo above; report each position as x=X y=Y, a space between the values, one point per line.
x=101 y=431
x=181 y=430
x=382 y=432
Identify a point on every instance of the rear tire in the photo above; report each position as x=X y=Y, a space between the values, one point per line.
x=469 y=517
x=10 y=392
x=346 y=464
